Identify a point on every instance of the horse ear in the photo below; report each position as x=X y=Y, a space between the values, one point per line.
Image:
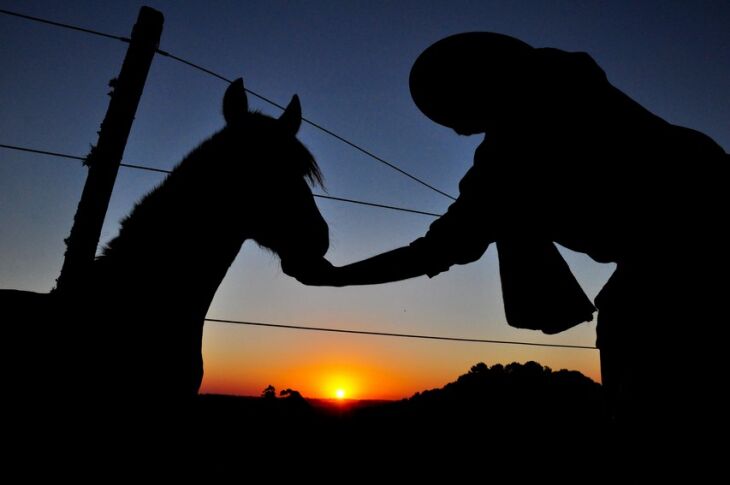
x=235 y=103
x=291 y=119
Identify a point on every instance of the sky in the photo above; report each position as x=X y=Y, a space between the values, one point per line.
x=349 y=62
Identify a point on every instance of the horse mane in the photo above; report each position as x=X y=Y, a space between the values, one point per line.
x=308 y=167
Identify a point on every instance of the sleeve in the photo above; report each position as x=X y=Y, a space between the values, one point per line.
x=461 y=235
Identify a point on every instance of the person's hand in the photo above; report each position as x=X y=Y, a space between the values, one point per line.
x=317 y=272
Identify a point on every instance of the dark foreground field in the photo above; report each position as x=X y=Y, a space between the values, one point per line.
x=486 y=407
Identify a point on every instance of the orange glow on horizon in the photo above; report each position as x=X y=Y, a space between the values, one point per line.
x=318 y=366
x=333 y=382
x=318 y=381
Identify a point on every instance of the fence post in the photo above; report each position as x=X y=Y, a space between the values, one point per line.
x=105 y=157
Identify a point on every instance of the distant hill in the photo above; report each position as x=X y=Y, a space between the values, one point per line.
x=518 y=396
x=513 y=396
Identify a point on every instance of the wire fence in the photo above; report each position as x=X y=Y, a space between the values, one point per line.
x=322 y=196
x=162 y=170
x=401 y=335
x=186 y=62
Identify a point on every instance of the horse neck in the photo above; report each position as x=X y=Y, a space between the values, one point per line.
x=179 y=237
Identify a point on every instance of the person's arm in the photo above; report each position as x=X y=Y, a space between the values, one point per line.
x=396 y=265
x=460 y=236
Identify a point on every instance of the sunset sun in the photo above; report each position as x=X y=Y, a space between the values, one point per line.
x=341 y=385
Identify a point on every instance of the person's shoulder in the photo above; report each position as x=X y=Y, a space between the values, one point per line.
x=692 y=141
x=511 y=144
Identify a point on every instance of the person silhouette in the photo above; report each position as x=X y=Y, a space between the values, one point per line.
x=569 y=158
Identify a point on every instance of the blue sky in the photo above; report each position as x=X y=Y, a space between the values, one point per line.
x=349 y=63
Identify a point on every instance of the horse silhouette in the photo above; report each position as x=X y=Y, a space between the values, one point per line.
x=135 y=327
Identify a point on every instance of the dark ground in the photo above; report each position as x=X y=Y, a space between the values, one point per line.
x=518 y=409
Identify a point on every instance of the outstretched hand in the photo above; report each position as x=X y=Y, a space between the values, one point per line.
x=396 y=265
x=319 y=272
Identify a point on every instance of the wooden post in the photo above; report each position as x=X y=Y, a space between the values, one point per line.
x=105 y=157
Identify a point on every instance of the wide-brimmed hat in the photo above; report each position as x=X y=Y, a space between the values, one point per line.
x=452 y=78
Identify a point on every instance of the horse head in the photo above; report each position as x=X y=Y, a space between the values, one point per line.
x=284 y=217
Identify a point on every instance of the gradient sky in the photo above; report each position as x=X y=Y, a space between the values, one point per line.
x=349 y=63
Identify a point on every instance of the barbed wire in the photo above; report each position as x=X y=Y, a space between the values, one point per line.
x=64 y=25
x=162 y=170
x=210 y=72
x=401 y=335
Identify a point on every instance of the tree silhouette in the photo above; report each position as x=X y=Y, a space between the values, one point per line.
x=269 y=393
x=291 y=394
